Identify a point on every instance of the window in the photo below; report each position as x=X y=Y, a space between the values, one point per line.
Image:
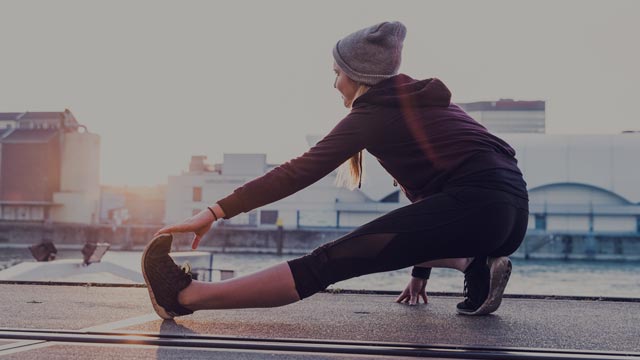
x=23 y=213
x=541 y=222
x=253 y=218
x=197 y=193
x=37 y=213
x=9 y=213
x=268 y=217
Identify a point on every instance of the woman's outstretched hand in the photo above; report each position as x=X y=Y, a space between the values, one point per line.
x=198 y=224
x=415 y=290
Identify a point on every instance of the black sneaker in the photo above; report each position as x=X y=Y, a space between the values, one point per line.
x=484 y=282
x=164 y=278
x=476 y=286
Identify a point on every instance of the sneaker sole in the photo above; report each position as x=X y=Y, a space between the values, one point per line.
x=159 y=309
x=500 y=271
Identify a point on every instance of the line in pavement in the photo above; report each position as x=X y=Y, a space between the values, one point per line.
x=303 y=346
x=27 y=345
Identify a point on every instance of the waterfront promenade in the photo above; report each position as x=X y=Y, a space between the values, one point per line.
x=95 y=322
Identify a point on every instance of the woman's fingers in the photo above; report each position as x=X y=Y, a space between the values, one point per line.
x=186 y=226
x=413 y=292
x=164 y=230
x=190 y=225
x=407 y=298
x=174 y=228
x=402 y=296
x=196 y=241
x=413 y=300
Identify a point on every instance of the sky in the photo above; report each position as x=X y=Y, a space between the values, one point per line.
x=161 y=81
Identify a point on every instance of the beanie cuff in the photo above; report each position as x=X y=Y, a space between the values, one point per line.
x=366 y=79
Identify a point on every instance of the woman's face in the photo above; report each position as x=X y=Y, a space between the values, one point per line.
x=345 y=86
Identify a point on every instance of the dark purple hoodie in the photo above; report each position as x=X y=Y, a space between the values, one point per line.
x=423 y=140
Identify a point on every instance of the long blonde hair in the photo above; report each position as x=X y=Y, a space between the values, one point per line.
x=351 y=172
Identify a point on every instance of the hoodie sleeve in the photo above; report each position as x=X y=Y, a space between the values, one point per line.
x=353 y=133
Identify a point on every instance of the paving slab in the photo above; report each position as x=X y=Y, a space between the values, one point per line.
x=69 y=307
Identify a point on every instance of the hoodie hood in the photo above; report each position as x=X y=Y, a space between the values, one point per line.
x=404 y=91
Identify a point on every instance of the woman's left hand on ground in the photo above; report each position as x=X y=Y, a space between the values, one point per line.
x=198 y=224
x=415 y=290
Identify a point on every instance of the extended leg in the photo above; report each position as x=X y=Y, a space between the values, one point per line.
x=270 y=287
x=174 y=293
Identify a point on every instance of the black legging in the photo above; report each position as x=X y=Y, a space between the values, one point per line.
x=459 y=222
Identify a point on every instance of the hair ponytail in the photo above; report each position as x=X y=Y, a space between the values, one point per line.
x=351 y=172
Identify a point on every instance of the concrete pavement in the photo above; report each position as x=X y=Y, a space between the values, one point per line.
x=519 y=323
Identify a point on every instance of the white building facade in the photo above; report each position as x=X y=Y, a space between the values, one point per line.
x=581 y=183
x=320 y=205
x=578 y=184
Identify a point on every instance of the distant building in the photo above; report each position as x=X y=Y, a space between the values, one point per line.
x=320 y=205
x=578 y=185
x=509 y=116
x=132 y=205
x=581 y=183
x=49 y=168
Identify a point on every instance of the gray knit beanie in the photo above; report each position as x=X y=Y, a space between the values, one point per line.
x=373 y=54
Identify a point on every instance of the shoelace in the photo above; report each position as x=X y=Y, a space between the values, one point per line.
x=471 y=286
x=469 y=290
x=465 y=291
x=186 y=267
x=168 y=263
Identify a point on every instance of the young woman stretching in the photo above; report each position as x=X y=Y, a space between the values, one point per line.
x=469 y=203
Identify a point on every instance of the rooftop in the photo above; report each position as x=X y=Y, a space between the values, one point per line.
x=4 y=132
x=10 y=115
x=30 y=136
x=504 y=105
x=42 y=115
x=47 y=116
